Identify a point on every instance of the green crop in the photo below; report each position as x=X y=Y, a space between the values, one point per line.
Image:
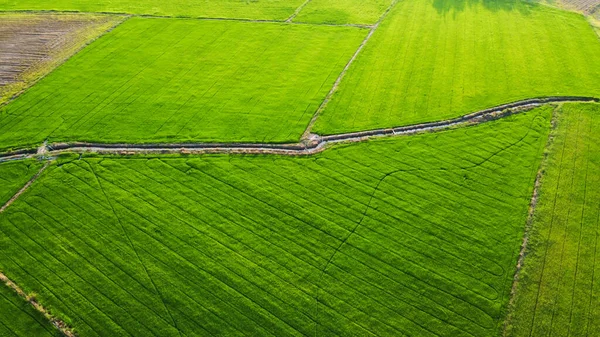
x=434 y=60
x=343 y=11
x=179 y=80
x=243 y=9
x=410 y=235
x=558 y=291
x=14 y=175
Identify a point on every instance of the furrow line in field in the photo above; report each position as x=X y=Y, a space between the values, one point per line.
x=336 y=84
x=307 y=147
x=59 y=324
x=24 y=188
x=190 y=244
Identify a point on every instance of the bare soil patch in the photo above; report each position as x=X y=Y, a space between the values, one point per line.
x=31 y=45
x=586 y=6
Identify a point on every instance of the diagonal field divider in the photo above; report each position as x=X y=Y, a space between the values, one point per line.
x=24 y=188
x=337 y=82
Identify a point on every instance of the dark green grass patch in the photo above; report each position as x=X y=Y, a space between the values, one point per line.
x=242 y=9
x=177 y=80
x=412 y=235
x=559 y=294
x=19 y=319
x=434 y=60
x=14 y=175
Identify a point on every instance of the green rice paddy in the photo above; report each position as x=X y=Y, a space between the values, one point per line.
x=434 y=60
x=409 y=235
x=415 y=235
x=178 y=80
x=13 y=175
x=558 y=291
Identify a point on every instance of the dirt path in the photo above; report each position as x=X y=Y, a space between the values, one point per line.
x=59 y=324
x=310 y=146
x=528 y=224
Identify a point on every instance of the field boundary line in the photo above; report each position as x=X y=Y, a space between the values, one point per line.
x=307 y=147
x=24 y=188
x=59 y=324
x=336 y=84
x=529 y=222
x=297 y=11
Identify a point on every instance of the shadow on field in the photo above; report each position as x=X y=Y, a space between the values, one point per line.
x=446 y=6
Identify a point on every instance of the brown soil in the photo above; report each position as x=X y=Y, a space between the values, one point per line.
x=31 y=45
x=584 y=6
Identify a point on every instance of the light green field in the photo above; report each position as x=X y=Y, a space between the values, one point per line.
x=559 y=294
x=19 y=318
x=243 y=9
x=413 y=235
x=343 y=11
x=14 y=175
x=178 y=80
x=434 y=60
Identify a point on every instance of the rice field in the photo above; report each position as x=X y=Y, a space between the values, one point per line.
x=403 y=236
x=485 y=229
x=558 y=292
x=434 y=60
x=179 y=80
x=254 y=9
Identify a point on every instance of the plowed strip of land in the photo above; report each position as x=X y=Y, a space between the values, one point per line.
x=33 y=45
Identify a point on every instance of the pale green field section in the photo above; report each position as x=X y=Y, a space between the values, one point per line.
x=413 y=236
x=343 y=11
x=180 y=80
x=434 y=60
x=14 y=175
x=19 y=319
x=559 y=291
x=242 y=9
